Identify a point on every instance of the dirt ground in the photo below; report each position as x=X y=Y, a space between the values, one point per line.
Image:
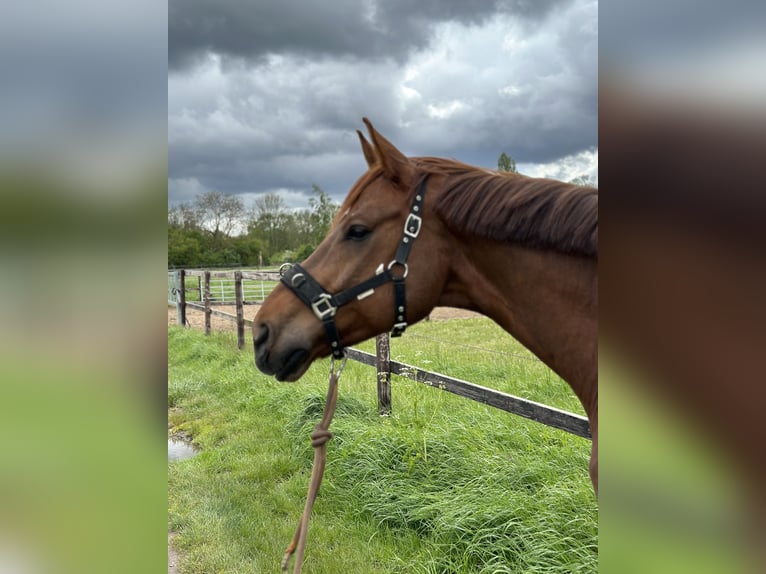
x=173 y=557
x=197 y=318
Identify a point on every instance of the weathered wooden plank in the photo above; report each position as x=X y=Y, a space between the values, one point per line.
x=258 y=275
x=361 y=356
x=261 y=275
x=229 y=303
x=201 y=273
x=218 y=313
x=532 y=410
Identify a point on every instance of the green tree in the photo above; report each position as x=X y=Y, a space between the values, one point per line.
x=303 y=252
x=248 y=248
x=323 y=210
x=506 y=163
x=290 y=234
x=185 y=247
x=268 y=220
x=201 y=233
x=303 y=228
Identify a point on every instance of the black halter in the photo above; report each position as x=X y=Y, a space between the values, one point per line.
x=325 y=305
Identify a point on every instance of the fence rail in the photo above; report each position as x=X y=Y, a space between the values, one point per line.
x=532 y=410
x=256 y=286
x=550 y=416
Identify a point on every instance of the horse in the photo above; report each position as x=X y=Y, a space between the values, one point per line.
x=425 y=232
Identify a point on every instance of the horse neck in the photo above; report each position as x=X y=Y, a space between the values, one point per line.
x=546 y=300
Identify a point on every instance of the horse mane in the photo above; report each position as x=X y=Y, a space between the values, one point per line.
x=512 y=208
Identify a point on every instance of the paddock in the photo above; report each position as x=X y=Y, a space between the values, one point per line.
x=178 y=287
x=442 y=484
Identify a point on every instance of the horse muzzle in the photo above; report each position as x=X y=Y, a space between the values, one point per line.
x=285 y=364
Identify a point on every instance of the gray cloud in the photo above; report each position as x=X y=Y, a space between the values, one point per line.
x=370 y=29
x=279 y=113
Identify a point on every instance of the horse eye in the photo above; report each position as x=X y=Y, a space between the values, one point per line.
x=357 y=233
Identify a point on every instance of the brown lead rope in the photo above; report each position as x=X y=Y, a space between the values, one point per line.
x=319 y=439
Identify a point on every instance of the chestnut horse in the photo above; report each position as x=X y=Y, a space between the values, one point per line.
x=418 y=232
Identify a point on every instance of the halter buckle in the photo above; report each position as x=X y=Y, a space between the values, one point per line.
x=414 y=222
x=398 y=329
x=322 y=306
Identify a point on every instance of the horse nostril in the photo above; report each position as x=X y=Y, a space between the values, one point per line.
x=263 y=335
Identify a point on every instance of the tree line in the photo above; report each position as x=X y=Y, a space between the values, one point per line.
x=216 y=229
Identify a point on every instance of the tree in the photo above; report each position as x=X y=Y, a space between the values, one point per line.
x=219 y=213
x=185 y=247
x=506 y=163
x=323 y=212
x=249 y=249
x=267 y=221
x=201 y=233
x=183 y=216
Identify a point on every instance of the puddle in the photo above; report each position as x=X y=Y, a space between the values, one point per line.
x=179 y=450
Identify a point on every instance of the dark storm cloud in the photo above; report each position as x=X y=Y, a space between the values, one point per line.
x=270 y=101
x=362 y=29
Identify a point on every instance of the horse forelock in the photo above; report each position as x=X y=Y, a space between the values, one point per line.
x=513 y=208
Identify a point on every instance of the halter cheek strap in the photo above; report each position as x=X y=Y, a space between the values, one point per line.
x=412 y=226
x=325 y=305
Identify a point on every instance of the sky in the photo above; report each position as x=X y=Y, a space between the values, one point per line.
x=265 y=96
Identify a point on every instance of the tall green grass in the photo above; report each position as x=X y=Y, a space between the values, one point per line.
x=443 y=485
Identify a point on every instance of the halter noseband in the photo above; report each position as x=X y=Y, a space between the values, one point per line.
x=325 y=305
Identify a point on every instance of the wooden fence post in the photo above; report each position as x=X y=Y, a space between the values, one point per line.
x=181 y=297
x=206 y=299
x=176 y=297
x=240 y=309
x=383 y=353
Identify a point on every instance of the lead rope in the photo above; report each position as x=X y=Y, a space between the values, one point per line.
x=319 y=439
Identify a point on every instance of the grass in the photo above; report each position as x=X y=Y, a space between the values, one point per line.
x=443 y=485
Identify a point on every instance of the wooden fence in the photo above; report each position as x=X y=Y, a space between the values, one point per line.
x=550 y=416
x=178 y=287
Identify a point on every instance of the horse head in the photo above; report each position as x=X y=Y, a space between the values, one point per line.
x=381 y=267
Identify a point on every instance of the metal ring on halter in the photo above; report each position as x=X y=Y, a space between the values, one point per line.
x=342 y=364
x=283 y=268
x=395 y=262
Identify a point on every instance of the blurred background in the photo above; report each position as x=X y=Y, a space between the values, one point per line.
x=83 y=191
x=683 y=323
x=83 y=166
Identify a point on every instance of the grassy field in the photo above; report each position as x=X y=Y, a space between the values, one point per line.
x=443 y=485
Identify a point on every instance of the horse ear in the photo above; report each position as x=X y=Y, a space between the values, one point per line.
x=369 y=153
x=395 y=164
